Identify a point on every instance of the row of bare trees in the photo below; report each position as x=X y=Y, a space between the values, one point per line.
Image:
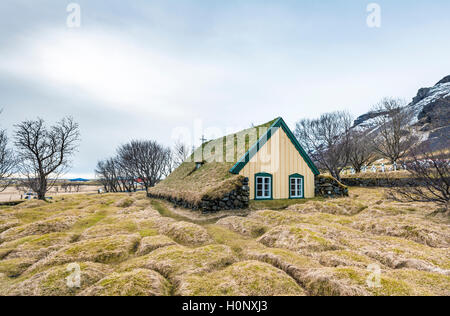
x=334 y=144
x=41 y=154
x=136 y=163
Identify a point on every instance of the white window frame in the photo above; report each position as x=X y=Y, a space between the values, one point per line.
x=297 y=182
x=265 y=180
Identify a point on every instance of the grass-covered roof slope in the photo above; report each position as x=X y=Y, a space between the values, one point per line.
x=232 y=147
x=213 y=179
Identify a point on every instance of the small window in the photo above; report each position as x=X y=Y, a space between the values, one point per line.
x=296 y=186
x=263 y=187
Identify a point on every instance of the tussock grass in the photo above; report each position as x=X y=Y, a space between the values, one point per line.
x=279 y=204
x=52 y=281
x=139 y=282
x=164 y=211
x=247 y=278
x=130 y=245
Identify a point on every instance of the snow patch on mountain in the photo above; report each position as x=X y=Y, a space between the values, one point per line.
x=434 y=94
x=429 y=114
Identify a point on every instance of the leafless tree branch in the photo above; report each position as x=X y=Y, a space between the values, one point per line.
x=44 y=153
x=327 y=140
x=392 y=136
x=361 y=151
x=7 y=162
x=431 y=171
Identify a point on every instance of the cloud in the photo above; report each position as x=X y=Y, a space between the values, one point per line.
x=117 y=72
x=142 y=69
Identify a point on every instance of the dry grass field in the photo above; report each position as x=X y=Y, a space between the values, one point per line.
x=12 y=194
x=131 y=245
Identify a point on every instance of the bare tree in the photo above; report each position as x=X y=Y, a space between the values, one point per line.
x=146 y=160
x=103 y=175
x=327 y=140
x=181 y=153
x=361 y=151
x=109 y=175
x=170 y=163
x=44 y=152
x=431 y=174
x=126 y=175
x=7 y=162
x=392 y=135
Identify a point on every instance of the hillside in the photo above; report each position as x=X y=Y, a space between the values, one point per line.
x=429 y=112
x=131 y=245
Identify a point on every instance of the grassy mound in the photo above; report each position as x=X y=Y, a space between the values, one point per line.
x=247 y=278
x=125 y=202
x=344 y=258
x=244 y=226
x=276 y=218
x=35 y=246
x=297 y=238
x=105 y=230
x=187 y=233
x=54 y=225
x=433 y=235
x=354 y=281
x=139 y=282
x=293 y=264
x=151 y=243
x=53 y=281
x=14 y=267
x=343 y=206
x=177 y=260
x=5 y=224
x=102 y=250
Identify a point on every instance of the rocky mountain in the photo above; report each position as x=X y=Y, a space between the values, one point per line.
x=429 y=112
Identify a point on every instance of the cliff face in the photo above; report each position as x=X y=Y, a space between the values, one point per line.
x=430 y=113
x=432 y=105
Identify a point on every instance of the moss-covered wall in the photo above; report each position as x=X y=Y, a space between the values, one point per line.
x=236 y=197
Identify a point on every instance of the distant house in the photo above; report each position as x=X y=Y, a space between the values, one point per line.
x=265 y=162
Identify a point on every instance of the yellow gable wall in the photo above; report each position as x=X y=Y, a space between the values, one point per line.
x=280 y=158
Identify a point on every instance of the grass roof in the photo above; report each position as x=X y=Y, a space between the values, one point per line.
x=232 y=147
x=213 y=179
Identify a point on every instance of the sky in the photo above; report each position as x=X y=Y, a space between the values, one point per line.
x=177 y=69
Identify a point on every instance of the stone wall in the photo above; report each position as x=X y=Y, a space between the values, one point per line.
x=11 y=203
x=382 y=182
x=175 y=201
x=329 y=187
x=238 y=198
